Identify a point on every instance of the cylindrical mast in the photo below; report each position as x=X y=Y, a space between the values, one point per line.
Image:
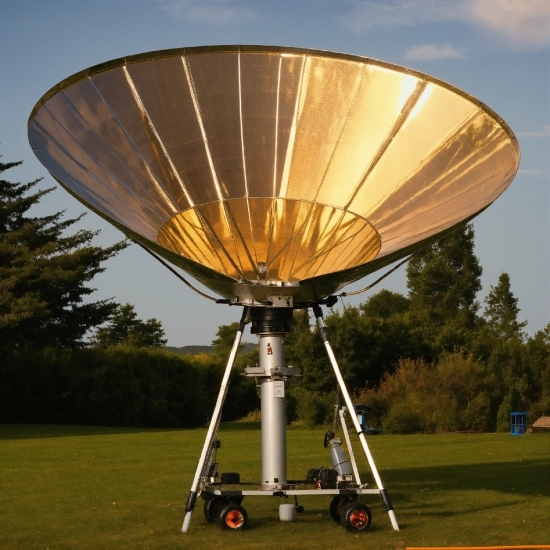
x=272 y=325
x=272 y=358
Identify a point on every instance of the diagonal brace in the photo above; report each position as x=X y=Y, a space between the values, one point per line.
x=385 y=497
x=212 y=429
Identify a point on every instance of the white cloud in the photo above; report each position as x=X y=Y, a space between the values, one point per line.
x=431 y=52
x=371 y=14
x=207 y=11
x=543 y=132
x=521 y=24
x=530 y=172
x=518 y=24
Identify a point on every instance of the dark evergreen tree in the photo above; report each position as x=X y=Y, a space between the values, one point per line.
x=124 y=328
x=503 y=337
x=501 y=310
x=443 y=281
x=44 y=273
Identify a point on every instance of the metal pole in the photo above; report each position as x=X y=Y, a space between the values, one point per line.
x=272 y=357
x=385 y=497
x=216 y=415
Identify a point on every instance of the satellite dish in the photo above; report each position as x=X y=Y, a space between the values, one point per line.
x=275 y=176
x=252 y=167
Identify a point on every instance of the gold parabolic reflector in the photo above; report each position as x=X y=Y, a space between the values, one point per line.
x=255 y=167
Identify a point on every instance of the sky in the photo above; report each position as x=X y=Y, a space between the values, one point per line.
x=496 y=50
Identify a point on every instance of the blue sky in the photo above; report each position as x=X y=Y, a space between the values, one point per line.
x=496 y=50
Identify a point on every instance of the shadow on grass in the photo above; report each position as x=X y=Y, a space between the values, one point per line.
x=473 y=509
x=522 y=477
x=34 y=431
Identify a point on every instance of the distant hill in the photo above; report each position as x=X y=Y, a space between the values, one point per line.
x=194 y=350
x=190 y=350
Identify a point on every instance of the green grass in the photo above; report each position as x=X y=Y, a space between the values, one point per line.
x=83 y=487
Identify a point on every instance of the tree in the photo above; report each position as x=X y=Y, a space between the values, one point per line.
x=44 y=273
x=501 y=310
x=514 y=363
x=242 y=397
x=125 y=328
x=537 y=361
x=385 y=304
x=443 y=281
x=304 y=349
x=368 y=346
x=225 y=338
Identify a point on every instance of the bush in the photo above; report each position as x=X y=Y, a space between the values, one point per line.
x=403 y=417
x=457 y=394
x=312 y=408
x=117 y=386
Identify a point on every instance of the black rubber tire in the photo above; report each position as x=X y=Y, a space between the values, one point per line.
x=232 y=517
x=336 y=505
x=236 y=500
x=355 y=517
x=212 y=506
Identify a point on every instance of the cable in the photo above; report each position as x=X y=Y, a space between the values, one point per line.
x=381 y=278
x=176 y=273
x=341 y=295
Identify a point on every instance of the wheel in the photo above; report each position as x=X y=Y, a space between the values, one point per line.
x=336 y=506
x=232 y=517
x=211 y=507
x=355 y=516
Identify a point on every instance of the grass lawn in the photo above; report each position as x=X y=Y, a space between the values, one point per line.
x=84 y=487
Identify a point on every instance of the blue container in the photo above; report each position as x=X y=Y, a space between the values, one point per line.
x=518 y=421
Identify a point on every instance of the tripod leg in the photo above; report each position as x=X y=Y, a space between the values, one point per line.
x=385 y=497
x=212 y=429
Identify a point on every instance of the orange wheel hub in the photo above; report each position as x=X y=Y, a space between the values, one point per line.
x=234 y=519
x=358 y=519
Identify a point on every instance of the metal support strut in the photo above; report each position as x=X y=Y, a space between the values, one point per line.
x=212 y=429
x=385 y=497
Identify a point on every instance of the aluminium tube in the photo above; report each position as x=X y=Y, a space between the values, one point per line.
x=350 y=448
